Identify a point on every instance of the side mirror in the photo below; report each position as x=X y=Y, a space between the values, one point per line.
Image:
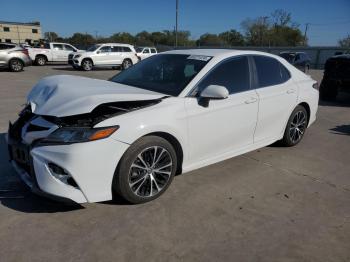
x=214 y=92
x=98 y=52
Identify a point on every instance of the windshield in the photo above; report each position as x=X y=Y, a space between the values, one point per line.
x=93 y=48
x=139 y=49
x=167 y=73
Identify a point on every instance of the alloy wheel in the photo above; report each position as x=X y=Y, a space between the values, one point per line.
x=87 y=65
x=16 y=65
x=150 y=172
x=297 y=127
x=41 y=61
x=127 y=64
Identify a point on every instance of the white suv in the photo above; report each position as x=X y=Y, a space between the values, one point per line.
x=103 y=55
x=144 y=52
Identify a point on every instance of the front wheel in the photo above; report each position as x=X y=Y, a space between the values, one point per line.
x=146 y=170
x=126 y=64
x=16 y=65
x=86 y=65
x=296 y=127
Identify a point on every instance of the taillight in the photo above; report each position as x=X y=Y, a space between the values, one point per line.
x=315 y=86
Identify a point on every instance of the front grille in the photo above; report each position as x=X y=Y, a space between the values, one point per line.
x=15 y=129
x=70 y=56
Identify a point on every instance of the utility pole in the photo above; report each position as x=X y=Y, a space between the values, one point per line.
x=176 y=23
x=305 y=32
x=19 y=38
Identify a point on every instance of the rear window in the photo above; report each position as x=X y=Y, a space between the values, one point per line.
x=126 y=49
x=57 y=46
x=270 y=71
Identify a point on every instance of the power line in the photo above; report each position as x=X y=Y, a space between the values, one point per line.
x=331 y=23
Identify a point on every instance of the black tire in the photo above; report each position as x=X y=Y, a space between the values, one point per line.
x=130 y=170
x=126 y=64
x=40 y=60
x=295 y=130
x=87 y=64
x=16 y=65
x=328 y=90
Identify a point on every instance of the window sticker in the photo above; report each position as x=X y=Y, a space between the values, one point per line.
x=200 y=57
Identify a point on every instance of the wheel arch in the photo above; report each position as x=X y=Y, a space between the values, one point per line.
x=308 y=110
x=175 y=143
x=87 y=58
x=41 y=55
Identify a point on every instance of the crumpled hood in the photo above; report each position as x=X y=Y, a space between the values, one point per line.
x=66 y=95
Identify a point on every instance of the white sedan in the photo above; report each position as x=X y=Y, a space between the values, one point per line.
x=84 y=139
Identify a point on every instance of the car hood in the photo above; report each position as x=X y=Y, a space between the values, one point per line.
x=66 y=95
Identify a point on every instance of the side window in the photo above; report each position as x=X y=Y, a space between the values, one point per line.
x=270 y=71
x=146 y=51
x=105 y=49
x=126 y=49
x=57 y=46
x=116 y=49
x=232 y=74
x=68 y=48
x=153 y=51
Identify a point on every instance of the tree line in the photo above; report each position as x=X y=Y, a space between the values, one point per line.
x=277 y=29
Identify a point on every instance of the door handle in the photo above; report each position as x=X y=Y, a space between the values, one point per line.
x=290 y=91
x=251 y=100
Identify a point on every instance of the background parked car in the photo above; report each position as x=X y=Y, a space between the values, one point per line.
x=299 y=59
x=52 y=52
x=336 y=77
x=13 y=57
x=104 y=55
x=144 y=52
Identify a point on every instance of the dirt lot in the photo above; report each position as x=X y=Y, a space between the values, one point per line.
x=273 y=204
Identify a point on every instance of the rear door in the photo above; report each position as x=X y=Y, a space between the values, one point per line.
x=277 y=97
x=116 y=55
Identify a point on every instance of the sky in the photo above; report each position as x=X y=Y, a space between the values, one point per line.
x=329 y=20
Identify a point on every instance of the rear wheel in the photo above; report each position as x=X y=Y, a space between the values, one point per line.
x=16 y=65
x=126 y=64
x=146 y=170
x=40 y=60
x=86 y=65
x=296 y=127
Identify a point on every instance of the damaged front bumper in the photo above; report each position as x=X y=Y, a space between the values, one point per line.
x=90 y=165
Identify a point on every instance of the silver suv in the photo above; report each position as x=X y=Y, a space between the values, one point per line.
x=13 y=57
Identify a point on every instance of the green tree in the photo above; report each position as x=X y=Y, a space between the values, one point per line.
x=232 y=38
x=80 y=39
x=210 y=40
x=51 y=36
x=124 y=37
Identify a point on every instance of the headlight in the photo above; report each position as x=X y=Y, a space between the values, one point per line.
x=77 y=56
x=78 y=135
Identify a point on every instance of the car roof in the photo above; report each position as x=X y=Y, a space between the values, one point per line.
x=219 y=53
x=119 y=44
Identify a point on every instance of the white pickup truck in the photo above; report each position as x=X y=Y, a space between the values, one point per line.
x=52 y=52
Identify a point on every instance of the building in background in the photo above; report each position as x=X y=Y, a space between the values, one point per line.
x=16 y=32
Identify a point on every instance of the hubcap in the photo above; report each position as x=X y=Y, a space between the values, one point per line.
x=297 y=127
x=150 y=172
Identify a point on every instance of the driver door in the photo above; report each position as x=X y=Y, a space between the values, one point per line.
x=225 y=125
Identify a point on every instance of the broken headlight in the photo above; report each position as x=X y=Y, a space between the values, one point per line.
x=78 y=135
